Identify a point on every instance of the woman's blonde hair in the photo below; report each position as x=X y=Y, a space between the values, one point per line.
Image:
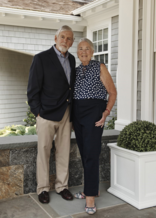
x=88 y=41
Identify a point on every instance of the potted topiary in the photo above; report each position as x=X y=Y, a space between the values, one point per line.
x=133 y=165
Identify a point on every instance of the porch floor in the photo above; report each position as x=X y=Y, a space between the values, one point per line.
x=28 y=206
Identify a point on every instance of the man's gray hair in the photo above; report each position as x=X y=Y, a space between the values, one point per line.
x=88 y=41
x=64 y=28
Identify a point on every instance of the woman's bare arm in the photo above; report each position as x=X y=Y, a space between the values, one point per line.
x=110 y=87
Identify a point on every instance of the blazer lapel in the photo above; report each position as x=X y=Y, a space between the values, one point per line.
x=72 y=66
x=57 y=63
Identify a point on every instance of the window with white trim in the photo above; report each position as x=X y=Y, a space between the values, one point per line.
x=100 y=42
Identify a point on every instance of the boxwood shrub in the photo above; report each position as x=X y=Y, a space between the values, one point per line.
x=138 y=136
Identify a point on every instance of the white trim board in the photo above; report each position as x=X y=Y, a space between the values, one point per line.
x=155 y=27
x=127 y=63
x=36 y=19
x=92 y=6
x=147 y=61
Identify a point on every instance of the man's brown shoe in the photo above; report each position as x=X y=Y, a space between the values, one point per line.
x=66 y=194
x=44 y=197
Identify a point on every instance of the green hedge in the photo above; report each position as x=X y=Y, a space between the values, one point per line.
x=17 y=130
x=138 y=136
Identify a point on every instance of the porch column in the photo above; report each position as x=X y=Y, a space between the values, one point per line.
x=127 y=63
x=147 y=82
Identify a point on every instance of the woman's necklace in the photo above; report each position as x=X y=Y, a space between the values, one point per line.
x=84 y=69
x=83 y=72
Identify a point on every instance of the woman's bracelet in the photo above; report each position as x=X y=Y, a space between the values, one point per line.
x=108 y=110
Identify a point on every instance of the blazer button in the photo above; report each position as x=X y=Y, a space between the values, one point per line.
x=67 y=100
x=69 y=88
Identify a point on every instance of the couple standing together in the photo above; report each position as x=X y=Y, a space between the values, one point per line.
x=60 y=96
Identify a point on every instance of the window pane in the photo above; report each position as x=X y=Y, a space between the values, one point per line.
x=96 y=57
x=106 y=58
x=99 y=46
x=102 y=58
x=105 y=33
x=95 y=46
x=99 y=35
x=105 y=45
x=94 y=36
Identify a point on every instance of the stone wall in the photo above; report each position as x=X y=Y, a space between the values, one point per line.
x=18 y=164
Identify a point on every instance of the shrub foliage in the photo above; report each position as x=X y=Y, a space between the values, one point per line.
x=31 y=119
x=111 y=123
x=138 y=136
x=17 y=130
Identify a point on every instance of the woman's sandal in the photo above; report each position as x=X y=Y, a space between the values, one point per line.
x=80 y=195
x=90 y=210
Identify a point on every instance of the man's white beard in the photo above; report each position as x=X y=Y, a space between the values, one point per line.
x=63 y=49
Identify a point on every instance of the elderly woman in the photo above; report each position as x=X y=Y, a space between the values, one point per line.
x=90 y=110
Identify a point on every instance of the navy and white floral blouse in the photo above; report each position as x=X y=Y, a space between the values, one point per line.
x=88 y=84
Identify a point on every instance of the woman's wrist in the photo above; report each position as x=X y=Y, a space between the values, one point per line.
x=108 y=111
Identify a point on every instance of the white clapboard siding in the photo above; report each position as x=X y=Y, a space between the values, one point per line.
x=4 y=116
x=16 y=92
x=12 y=96
x=12 y=110
x=14 y=105
x=2 y=88
x=13 y=86
x=10 y=120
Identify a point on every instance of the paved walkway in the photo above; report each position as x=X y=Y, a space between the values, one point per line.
x=109 y=206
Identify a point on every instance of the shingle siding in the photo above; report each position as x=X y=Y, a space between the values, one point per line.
x=139 y=67
x=114 y=58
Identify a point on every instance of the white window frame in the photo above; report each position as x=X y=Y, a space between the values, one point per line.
x=101 y=27
x=102 y=52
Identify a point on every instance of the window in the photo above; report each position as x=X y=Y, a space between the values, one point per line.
x=100 y=42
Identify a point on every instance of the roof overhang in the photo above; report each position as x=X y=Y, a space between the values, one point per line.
x=28 y=18
x=95 y=7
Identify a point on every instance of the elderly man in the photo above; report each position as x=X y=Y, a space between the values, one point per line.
x=50 y=89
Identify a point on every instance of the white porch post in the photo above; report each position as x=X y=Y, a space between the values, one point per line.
x=127 y=63
x=147 y=61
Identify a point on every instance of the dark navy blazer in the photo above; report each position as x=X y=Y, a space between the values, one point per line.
x=48 y=90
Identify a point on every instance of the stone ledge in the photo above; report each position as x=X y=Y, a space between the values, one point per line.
x=28 y=141
x=18 y=163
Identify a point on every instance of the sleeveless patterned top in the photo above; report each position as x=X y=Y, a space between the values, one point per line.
x=88 y=84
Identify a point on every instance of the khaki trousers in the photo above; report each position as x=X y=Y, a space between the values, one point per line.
x=46 y=130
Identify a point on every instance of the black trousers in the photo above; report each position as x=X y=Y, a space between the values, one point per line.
x=86 y=113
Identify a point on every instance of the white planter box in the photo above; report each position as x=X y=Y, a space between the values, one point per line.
x=133 y=176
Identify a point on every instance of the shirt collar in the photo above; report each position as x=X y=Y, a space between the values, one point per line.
x=59 y=53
